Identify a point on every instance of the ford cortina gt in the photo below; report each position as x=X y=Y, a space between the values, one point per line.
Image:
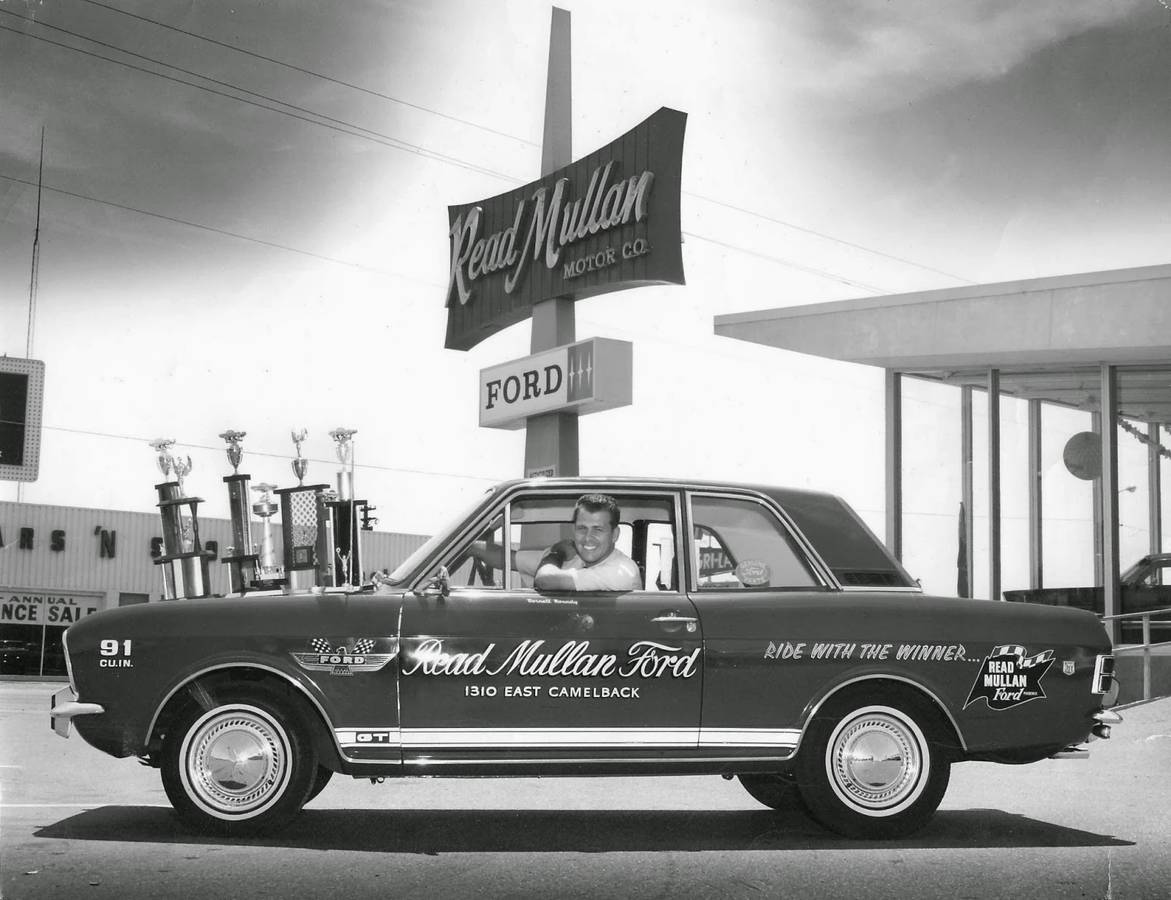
x=771 y=638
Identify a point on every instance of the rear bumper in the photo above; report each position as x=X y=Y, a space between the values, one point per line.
x=63 y=706
x=1103 y=719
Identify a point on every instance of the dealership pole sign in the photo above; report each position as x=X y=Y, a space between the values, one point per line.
x=606 y=222
x=585 y=377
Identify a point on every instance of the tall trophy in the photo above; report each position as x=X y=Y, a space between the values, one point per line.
x=346 y=554
x=241 y=559
x=301 y=524
x=184 y=564
x=270 y=575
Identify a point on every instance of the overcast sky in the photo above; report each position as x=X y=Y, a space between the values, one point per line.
x=208 y=263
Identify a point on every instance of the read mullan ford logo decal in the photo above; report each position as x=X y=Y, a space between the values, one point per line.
x=357 y=656
x=1009 y=677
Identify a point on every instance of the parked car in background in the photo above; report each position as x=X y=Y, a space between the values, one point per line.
x=1146 y=587
x=771 y=638
x=18 y=658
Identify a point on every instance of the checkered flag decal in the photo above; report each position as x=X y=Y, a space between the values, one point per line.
x=321 y=645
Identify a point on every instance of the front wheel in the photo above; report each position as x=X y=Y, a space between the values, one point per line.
x=871 y=767
x=243 y=766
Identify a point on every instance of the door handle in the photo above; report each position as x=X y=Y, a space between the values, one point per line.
x=673 y=618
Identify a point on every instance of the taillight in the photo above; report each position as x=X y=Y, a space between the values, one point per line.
x=1103 y=673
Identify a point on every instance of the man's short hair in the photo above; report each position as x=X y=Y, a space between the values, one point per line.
x=596 y=503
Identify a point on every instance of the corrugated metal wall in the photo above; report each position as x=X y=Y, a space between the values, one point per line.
x=81 y=566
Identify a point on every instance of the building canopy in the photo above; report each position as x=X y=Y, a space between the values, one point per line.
x=1048 y=337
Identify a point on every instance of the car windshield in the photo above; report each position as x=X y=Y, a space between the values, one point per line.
x=416 y=559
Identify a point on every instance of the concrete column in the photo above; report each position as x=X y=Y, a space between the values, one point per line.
x=1036 y=516
x=894 y=462
x=994 y=484
x=967 y=492
x=1111 y=589
x=1154 y=490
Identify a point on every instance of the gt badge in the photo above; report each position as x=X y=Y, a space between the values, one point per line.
x=1009 y=678
x=358 y=656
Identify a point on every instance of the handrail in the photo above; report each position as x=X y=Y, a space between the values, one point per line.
x=1146 y=645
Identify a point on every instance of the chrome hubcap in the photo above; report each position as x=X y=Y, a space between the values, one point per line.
x=876 y=761
x=236 y=762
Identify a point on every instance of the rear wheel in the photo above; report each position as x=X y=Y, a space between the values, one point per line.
x=871 y=765
x=771 y=790
x=242 y=766
x=319 y=782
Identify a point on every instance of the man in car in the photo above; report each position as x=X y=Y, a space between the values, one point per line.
x=590 y=561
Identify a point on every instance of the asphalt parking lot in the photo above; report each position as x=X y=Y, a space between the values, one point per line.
x=75 y=823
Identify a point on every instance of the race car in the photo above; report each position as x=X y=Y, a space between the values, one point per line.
x=766 y=635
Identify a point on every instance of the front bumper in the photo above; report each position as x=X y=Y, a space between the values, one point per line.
x=63 y=706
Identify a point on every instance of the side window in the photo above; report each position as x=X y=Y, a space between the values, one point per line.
x=646 y=533
x=741 y=544
x=469 y=570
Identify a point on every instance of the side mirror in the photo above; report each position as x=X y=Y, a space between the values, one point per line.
x=440 y=585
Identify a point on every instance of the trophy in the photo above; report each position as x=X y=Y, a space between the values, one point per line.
x=301 y=525
x=347 y=567
x=241 y=560
x=163 y=447
x=300 y=465
x=266 y=509
x=235 y=451
x=345 y=455
x=184 y=564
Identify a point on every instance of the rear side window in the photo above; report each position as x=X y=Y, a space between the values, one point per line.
x=849 y=548
x=741 y=544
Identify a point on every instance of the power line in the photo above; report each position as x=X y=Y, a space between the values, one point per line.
x=220 y=231
x=823 y=236
x=396 y=143
x=789 y=263
x=376 y=137
x=486 y=128
x=267 y=455
x=295 y=68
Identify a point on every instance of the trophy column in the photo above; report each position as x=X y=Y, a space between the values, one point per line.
x=184 y=564
x=346 y=553
x=300 y=525
x=241 y=559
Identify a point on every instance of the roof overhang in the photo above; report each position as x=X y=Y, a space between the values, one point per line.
x=1048 y=336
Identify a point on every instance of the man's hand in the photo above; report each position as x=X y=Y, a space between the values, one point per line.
x=559 y=554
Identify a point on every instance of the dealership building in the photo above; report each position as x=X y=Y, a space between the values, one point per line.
x=59 y=564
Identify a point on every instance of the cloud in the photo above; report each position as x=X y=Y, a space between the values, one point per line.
x=883 y=53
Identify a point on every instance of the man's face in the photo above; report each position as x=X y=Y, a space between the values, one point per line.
x=593 y=536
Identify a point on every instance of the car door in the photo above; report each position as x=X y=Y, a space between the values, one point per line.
x=758 y=595
x=499 y=670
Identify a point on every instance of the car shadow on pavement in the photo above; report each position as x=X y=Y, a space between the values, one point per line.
x=584 y=831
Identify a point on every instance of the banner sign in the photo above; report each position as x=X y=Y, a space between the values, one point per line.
x=585 y=377
x=46 y=607
x=606 y=222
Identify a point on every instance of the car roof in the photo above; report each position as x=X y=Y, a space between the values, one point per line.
x=587 y=481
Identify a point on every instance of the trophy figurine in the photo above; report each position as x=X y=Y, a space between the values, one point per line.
x=182 y=468
x=163 y=446
x=300 y=464
x=345 y=455
x=235 y=451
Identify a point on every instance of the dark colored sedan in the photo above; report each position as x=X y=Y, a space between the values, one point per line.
x=766 y=635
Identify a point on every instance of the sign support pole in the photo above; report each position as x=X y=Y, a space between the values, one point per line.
x=551 y=446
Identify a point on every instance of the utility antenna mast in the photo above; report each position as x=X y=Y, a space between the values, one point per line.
x=32 y=282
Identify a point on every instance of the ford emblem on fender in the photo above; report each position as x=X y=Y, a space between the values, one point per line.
x=346 y=659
